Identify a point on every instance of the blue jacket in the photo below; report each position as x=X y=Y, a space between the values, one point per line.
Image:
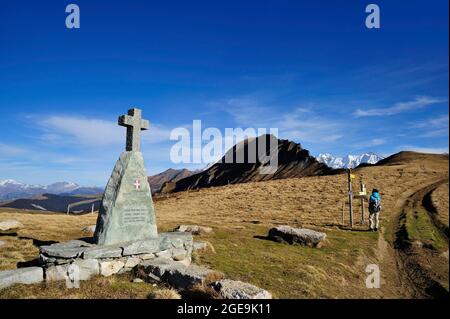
x=375 y=196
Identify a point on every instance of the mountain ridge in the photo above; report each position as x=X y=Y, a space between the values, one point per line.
x=293 y=161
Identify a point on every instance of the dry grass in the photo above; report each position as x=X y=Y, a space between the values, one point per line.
x=241 y=216
x=116 y=287
x=165 y=294
x=440 y=201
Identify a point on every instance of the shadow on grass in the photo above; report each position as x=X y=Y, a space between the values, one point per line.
x=8 y=234
x=28 y=263
x=37 y=242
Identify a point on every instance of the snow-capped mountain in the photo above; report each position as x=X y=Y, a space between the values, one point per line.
x=11 y=189
x=349 y=161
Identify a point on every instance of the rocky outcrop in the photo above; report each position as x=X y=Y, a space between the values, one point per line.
x=300 y=236
x=170 y=175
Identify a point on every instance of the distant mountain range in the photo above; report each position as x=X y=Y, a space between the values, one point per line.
x=57 y=203
x=11 y=189
x=349 y=161
x=293 y=161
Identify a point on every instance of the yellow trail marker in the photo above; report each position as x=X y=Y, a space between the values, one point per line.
x=352 y=176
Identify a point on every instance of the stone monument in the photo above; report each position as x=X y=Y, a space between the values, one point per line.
x=126 y=234
x=127 y=211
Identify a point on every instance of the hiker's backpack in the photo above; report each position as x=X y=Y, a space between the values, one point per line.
x=374 y=205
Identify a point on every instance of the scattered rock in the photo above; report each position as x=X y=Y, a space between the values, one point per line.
x=137 y=280
x=132 y=262
x=194 y=229
x=174 y=273
x=147 y=256
x=28 y=275
x=108 y=268
x=200 y=245
x=89 y=229
x=301 y=236
x=10 y=226
x=233 y=289
x=179 y=254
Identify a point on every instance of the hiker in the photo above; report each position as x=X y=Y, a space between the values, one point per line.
x=374 y=209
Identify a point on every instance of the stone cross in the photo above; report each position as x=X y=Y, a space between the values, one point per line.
x=134 y=124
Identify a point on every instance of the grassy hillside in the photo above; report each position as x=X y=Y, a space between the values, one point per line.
x=242 y=214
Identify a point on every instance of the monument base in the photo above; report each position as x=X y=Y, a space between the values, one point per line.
x=85 y=258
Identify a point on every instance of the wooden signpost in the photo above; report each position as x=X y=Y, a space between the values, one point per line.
x=350 y=196
x=361 y=194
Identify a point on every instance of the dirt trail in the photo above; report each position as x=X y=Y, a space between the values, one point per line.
x=414 y=276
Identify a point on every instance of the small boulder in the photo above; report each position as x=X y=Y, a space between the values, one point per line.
x=10 y=226
x=194 y=229
x=89 y=229
x=108 y=268
x=300 y=236
x=172 y=272
x=233 y=289
x=200 y=245
x=132 y=262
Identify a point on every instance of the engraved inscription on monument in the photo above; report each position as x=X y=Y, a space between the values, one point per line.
x=134 y=215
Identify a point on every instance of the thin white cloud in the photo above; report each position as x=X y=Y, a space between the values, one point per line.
x=302 y=124
x=439 y=121
x=432 y=127
x=400 y=107
x=8 y=150
x=370 y=143
x=59 y=129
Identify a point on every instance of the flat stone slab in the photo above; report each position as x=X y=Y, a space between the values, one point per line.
x=300 y=236
x=102 y=252
x=233 y=289
x=29 y=275
x=194 y=229
x=141 y=247
x=70 y=249
x=165 y=242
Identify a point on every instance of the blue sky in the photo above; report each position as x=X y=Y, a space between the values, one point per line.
x=310 y=68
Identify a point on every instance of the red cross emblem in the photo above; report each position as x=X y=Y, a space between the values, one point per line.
x=137 y=184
